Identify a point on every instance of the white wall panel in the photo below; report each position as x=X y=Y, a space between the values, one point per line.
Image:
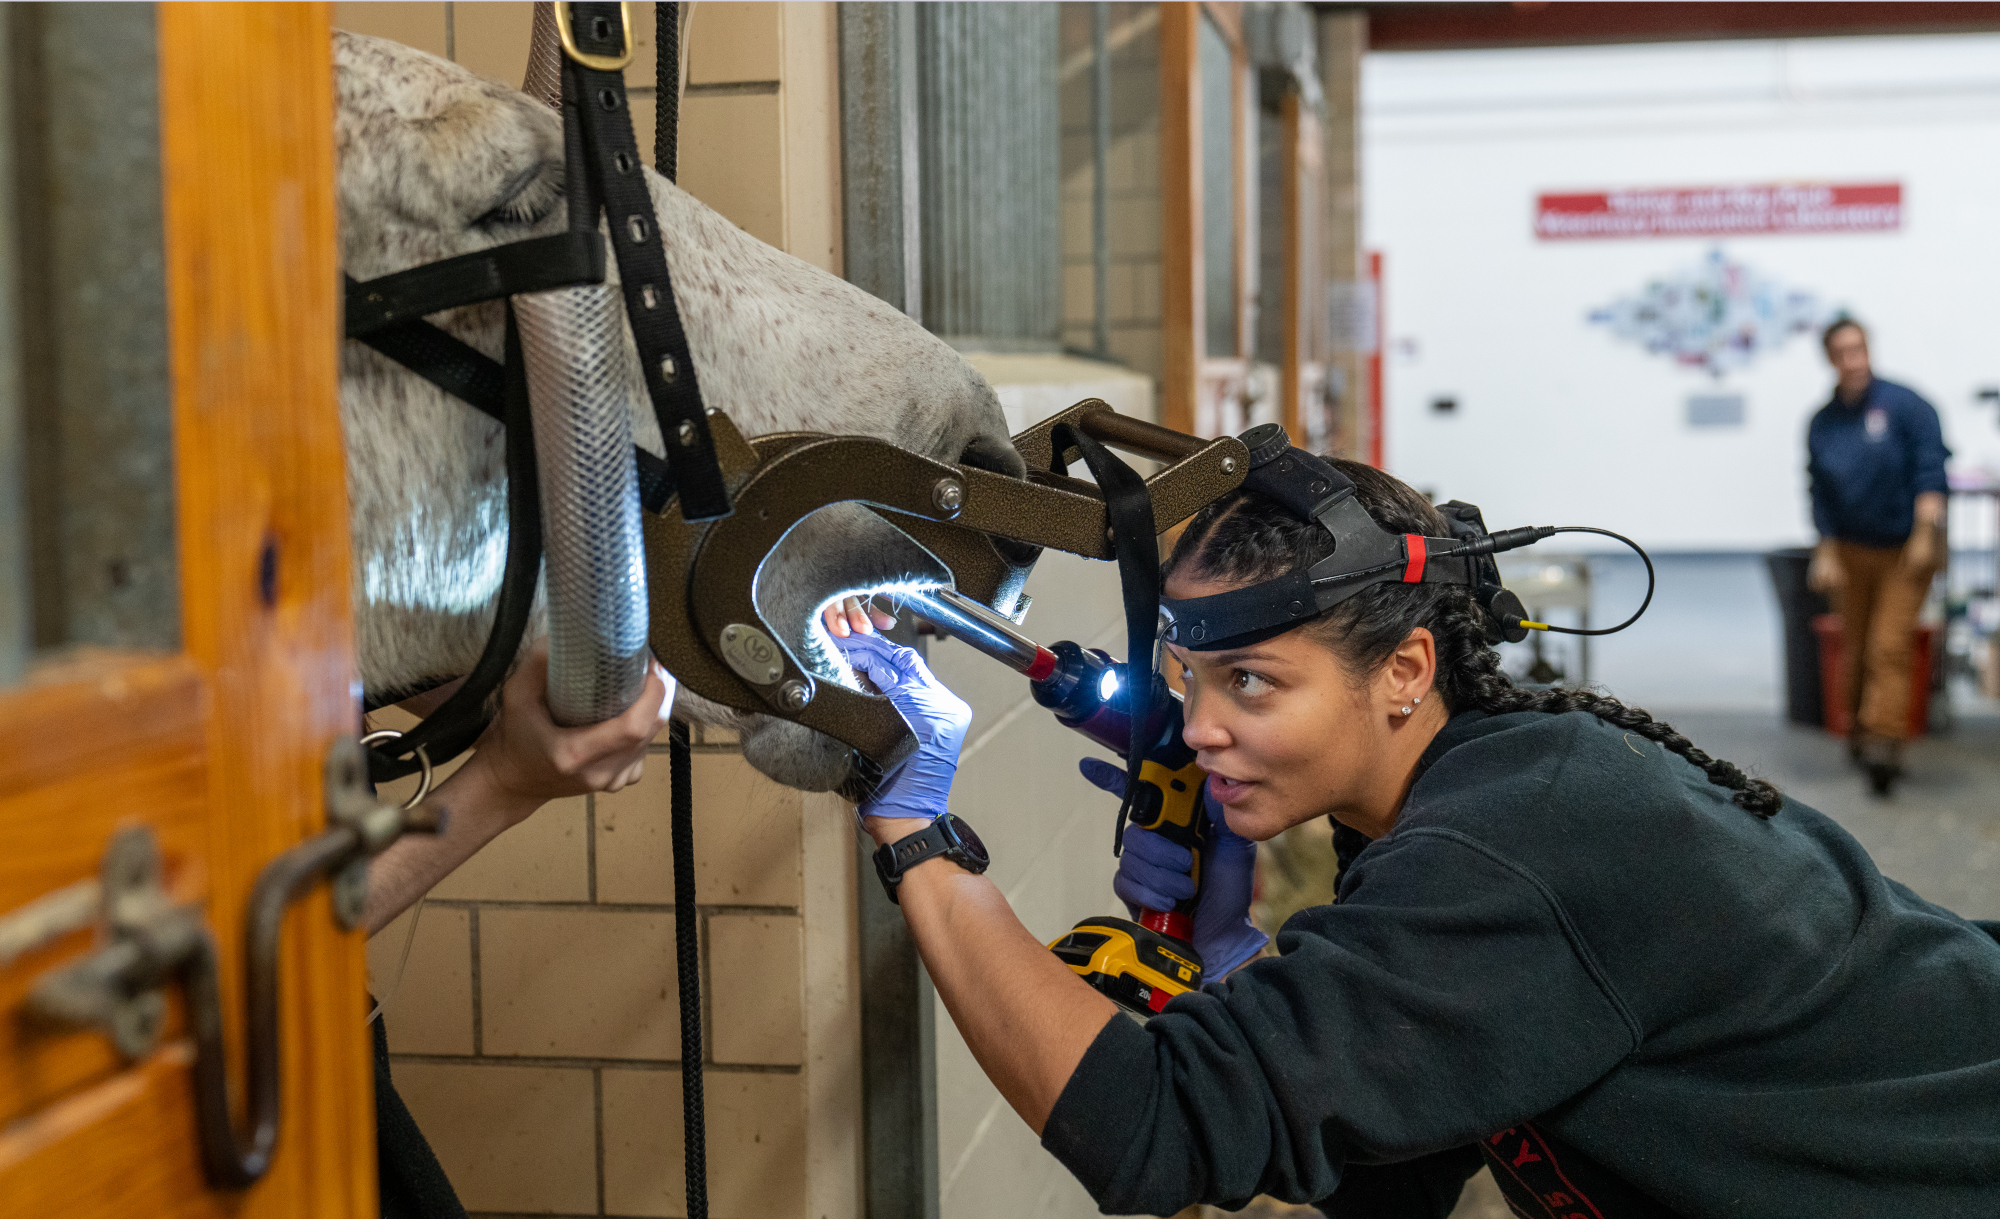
x=1559 y=422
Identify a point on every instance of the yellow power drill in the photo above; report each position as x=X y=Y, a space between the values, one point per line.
x=1142 y=965
x=1139 y=965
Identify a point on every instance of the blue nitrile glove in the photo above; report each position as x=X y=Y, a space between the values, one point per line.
x=1153 y=873
x=919 y=785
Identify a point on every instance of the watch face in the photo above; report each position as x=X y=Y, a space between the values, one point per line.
x=968 y=841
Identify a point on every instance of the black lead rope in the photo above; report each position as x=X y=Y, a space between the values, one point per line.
x=687 y=926
x=667 y=90
x=687 y=962
x=1128 y=513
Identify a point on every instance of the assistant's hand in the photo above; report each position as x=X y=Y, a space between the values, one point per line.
x=522 y=761
x=1154 y=873
x=919 y=786
x=532 y=759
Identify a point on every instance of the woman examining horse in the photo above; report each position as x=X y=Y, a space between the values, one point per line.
x=1567 y=943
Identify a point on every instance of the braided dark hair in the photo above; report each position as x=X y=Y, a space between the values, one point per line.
x=1245 y=537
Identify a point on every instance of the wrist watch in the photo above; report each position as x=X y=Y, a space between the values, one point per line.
x=947 y=836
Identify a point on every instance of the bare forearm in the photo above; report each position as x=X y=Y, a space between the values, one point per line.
x=475 y=812
x=1930 y=508
x=1025 y=1016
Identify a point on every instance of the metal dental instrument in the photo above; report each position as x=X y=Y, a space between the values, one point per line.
x=988 y=633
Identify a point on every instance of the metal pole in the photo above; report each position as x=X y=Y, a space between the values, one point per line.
x=880 y=189
x=985 y=631
x=1100 y=151
x=878 y=150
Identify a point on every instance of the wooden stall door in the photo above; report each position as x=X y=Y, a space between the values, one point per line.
x=217 y=748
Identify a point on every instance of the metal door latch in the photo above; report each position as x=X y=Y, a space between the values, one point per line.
x=148 y=940
x=120 y=988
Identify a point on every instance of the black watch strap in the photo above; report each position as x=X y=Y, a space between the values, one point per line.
x=947 y=836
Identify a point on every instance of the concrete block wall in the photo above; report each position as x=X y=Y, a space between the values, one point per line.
x=1049 y=832
x=490 y=37
x=534 y=1028
x=1031 y=387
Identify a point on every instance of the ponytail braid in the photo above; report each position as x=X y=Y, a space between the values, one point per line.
x=1479 y=682
x=1245 y=538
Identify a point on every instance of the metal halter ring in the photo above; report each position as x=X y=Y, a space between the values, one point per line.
x=423 y=759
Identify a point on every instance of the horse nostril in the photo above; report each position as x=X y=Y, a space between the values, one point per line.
x=1001 y=457
x=995 y=457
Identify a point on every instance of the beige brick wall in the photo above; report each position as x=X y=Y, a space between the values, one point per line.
x=535 y=1031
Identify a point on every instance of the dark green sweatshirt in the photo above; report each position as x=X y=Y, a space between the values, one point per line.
x=1574 y=952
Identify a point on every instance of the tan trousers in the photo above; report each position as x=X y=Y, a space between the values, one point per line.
x=1878 y=608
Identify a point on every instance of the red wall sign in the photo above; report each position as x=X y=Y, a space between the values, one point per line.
x=1721 y=211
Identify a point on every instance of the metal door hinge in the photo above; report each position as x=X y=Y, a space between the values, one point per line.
x=148 y=941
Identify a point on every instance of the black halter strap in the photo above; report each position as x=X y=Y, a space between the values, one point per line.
x=1128 y=514
x=605 y=170
x=539 y=264
x=476 y=379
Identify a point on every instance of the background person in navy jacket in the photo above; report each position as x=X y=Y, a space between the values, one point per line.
x=1876 y=457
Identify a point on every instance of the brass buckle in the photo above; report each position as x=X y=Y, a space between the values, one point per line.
x=602 y=63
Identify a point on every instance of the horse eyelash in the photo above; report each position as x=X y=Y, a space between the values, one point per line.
x=528 y=205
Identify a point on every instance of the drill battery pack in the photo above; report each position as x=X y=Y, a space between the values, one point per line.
x=1135 y=967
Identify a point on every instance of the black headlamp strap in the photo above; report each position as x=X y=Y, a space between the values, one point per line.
x=594 y=104
x=1128 y=513
x=1364 y=554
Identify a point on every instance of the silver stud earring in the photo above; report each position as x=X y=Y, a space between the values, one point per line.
x=1406 y=711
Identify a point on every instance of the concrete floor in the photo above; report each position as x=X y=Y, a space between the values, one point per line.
x=1940 y=832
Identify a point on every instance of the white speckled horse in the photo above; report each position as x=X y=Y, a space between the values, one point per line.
x=436 y=162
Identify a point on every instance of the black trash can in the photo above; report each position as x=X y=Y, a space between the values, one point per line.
x=1797 y=606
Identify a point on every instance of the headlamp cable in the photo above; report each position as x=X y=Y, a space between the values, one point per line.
x=1514 y=539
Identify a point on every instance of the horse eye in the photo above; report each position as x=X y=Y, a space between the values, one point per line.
x=526 y=199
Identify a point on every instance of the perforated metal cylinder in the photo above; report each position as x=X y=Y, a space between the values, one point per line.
x=581 y=385
x=543 y=80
